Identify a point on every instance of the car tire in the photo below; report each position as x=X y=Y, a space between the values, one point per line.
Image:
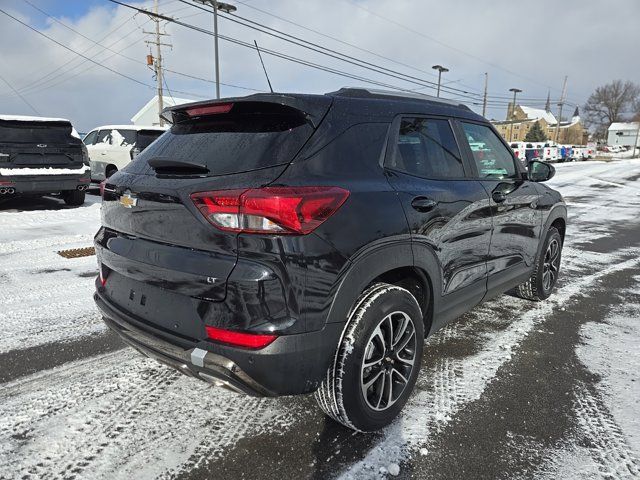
x=386 y=330
x=73 y=198
x=546 y=271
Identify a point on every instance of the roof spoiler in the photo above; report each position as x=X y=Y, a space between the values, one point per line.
x=312 y=107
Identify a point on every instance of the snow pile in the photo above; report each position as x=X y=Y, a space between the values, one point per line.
x=13 y=172
x=26 y=118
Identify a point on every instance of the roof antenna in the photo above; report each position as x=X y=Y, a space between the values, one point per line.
x=263 y=67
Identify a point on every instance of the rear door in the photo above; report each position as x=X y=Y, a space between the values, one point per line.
x=38 y=144
x=446 y=210
x=513 y=199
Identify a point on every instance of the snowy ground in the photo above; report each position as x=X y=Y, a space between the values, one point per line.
x=511 y=390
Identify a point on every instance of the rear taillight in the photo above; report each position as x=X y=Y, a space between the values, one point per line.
x=274 y=210
x=239 y=339
x=213 y=109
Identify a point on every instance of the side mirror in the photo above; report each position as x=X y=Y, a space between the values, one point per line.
x=540 y=171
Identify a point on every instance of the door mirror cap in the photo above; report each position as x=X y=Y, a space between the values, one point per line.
x=541 y=171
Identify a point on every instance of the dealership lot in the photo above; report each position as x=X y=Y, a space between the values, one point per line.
x=512 y=389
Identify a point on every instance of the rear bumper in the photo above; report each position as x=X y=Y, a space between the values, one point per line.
x=45 y=183
x=293 y=364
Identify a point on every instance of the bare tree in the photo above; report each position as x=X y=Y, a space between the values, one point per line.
x=609 y=103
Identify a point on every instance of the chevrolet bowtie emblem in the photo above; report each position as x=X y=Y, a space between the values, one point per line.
x=127 y=201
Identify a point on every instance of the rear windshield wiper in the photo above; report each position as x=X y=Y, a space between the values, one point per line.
x=170 y=165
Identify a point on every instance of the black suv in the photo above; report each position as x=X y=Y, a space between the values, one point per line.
x=40 y=156
x=281 y=244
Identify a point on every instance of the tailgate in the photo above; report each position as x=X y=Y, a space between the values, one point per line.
x=153 y=233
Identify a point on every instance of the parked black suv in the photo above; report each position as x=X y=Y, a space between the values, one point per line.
x=40 y=156
x=282 y=244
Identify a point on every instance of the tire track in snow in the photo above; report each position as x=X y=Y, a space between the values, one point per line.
x=56 y=307
x=120 y=415
x=604 y=439
x=457 y=382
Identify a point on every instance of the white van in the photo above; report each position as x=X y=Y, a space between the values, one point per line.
x=519 y=151
x=112 y=147
x=550 y=153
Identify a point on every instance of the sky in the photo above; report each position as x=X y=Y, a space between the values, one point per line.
x=519 y=44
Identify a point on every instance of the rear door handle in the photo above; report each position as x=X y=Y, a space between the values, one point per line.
x=423 y=204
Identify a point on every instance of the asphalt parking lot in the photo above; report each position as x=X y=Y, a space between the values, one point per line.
x=512 y=389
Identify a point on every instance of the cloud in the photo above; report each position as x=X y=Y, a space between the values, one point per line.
x=525 y=45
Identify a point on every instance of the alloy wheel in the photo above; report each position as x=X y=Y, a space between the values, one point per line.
x=388 y=361
x=551 y=265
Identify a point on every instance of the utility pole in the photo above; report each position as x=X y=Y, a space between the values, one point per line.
x=635 y=145
x=560 y=104
x=157 y=61
x=484 y=101
x=513 y=111
x=441 y=70
x=227 y=8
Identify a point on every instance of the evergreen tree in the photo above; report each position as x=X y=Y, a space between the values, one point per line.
x=535 y=134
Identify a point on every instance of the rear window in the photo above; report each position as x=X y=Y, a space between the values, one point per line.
x=147 y=137
x=12 y=131
x=250 y=137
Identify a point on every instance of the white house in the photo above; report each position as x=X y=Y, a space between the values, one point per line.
x=148 y=115
x=624 y=133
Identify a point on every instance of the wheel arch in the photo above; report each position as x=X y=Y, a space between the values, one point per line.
x=388 y=262
x=557 y=218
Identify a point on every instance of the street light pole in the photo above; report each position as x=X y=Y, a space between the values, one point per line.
x=513 y=110
x=441 y=70
x=227 y=8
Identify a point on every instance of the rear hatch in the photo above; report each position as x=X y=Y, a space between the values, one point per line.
x=154 y=240
x=36 y=144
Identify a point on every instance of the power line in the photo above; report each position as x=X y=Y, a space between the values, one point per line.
x=350 y=59
x=317 y=32
x=18 y=94
x=42 y=78
x=29 y=88
x=47 y=85
x=119 y=53
x=194 y=77
x=439 y=42
x=278 y=54
x=333 y=53
x=76 y=52
x=88 y=58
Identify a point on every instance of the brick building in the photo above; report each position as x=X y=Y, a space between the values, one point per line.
x=522 y=118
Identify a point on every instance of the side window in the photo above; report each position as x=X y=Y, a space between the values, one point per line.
x=90 y=138
x=123 y=138
x=492 y=158
x=427 y=148
x=104 y=137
